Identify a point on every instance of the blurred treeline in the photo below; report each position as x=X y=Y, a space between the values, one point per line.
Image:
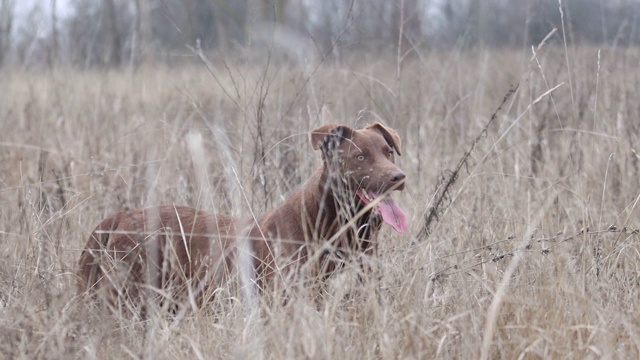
x=116 y=33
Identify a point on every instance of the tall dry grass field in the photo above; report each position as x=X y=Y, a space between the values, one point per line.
x=535 y=251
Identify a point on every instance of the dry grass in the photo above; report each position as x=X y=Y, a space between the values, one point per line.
x=535 y=202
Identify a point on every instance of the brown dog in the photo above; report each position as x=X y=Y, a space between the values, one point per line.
x=168 y=251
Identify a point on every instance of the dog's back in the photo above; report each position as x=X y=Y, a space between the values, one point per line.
x=167 y=247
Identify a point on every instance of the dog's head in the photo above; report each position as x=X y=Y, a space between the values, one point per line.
x=364 y=160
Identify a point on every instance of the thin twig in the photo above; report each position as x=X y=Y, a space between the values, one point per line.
x=554 y=240
x=432 y=213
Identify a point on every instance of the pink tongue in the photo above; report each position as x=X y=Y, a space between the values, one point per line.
x=391 y=212
x=393 y=215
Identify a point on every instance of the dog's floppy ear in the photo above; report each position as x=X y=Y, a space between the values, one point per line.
x=328 y=137
x=390 y=135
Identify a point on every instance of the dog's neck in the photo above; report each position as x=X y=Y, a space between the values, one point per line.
x=332 y=200
x=322 y=210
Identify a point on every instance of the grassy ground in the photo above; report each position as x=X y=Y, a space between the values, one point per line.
x=534 y=254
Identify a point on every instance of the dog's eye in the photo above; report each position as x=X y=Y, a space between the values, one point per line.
x=361 y=157
x=390 y=153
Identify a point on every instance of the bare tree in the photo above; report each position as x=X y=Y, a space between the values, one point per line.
x=231 y=20
x=136 y=37
x=115 y=47
x=6 y=27
x=101 y=33
x=53 y=53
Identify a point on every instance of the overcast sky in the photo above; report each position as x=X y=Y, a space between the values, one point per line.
x=40 y=12
x=23 y=6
